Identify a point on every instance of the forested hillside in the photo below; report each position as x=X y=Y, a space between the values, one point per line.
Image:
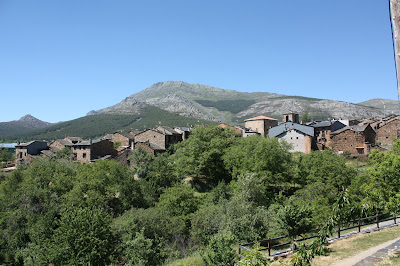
x=195 y=203
x=95 y=126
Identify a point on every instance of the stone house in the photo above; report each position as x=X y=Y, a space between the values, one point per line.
x=124 y=139
x=323 y=130
x=68 y=142
x=353 y=139
x=149 y=147
x=300 y=136
x=387 y=132
x=25 y=152
x=161 y=136
x=184 y=131
x=261 y=124
x=87 y=151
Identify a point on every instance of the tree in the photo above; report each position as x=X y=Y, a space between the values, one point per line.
x=220 y=249
x=305 y=118
x=200 y=156
x=325 y=167
x=84 y=236
x=266 y=158
x=295 y=218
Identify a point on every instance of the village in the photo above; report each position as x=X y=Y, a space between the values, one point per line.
x=348 y=137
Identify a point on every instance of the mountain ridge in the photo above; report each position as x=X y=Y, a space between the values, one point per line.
x=185 y=99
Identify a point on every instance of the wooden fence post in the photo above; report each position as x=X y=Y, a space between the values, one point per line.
x=359 y=225
x=377 y=221
x=239 y=249
x=394 y=218
x=269 y=246
x=338 y=231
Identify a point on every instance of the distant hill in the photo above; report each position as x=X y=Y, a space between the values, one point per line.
x=96 y=126
x=230 y=106
x=389 y=106
x=24 y=124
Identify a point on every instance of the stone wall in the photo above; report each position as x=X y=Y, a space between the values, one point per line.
x=261 y=126
x=349 y=141
x=153 y=137
x=123 y=140
x=102 y=148
x=83 y=153
x=387 y=134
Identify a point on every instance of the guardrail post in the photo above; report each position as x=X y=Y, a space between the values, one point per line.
x=394 y=218
x=338 y=231
x=359 y=225
x=239 y=249
x=269 y=246
x=377 y=221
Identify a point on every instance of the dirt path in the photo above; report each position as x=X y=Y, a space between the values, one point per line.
x=369 y=252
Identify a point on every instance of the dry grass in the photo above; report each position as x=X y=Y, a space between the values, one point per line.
x=352 y=246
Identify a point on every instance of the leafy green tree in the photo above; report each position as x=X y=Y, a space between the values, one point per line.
x=140 y=161
x=254 y=258
x=167 y=233
x=84 y=236
x=383 y=180
x=295 y=218
x=160 y=175
x=325 y=167
x=220 y=249
x=107 y=184
x=6 y=155
x=267 y=158
x=305 y=118
x=253 y=188
x=179 y=200
x=65 y=153
x=138 y=250
x=200 y=156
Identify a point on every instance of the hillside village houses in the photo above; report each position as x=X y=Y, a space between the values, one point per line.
x=342 y=136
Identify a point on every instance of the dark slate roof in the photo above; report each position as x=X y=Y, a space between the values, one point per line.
x=357 y=128
x=64 y=142
x=153 y=146
x=166 y=130
x=108 y=136
x=322 y=124
x=127 y=135
x=282 y=128
x=74 y=139
x=28 y=143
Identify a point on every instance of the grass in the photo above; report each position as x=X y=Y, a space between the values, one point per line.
x=194 y=260
x=394 y=259
x=351 y=246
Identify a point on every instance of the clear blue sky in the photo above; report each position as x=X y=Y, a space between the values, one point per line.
x=61 y=59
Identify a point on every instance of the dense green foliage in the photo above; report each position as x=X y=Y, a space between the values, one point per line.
x=207 y=194
x=99 y=125
x=233 y=106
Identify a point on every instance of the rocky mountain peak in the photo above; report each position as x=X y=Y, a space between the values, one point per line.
x=31 y=121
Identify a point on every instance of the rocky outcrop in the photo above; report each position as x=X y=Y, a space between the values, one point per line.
x=180 y=97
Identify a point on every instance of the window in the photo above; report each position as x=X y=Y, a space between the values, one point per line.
x=84 y=155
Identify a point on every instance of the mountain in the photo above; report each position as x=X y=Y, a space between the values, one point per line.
x=95 y=126
x=24 y=124
x=210 y=103
x=388 y=106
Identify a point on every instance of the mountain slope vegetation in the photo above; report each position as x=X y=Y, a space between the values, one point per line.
x=94 y=126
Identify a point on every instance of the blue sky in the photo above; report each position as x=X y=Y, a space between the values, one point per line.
x=61 y=59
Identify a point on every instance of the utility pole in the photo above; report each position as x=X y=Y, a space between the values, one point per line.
x=394 y=7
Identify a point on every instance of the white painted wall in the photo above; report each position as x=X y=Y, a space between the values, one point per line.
x=296 y=138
